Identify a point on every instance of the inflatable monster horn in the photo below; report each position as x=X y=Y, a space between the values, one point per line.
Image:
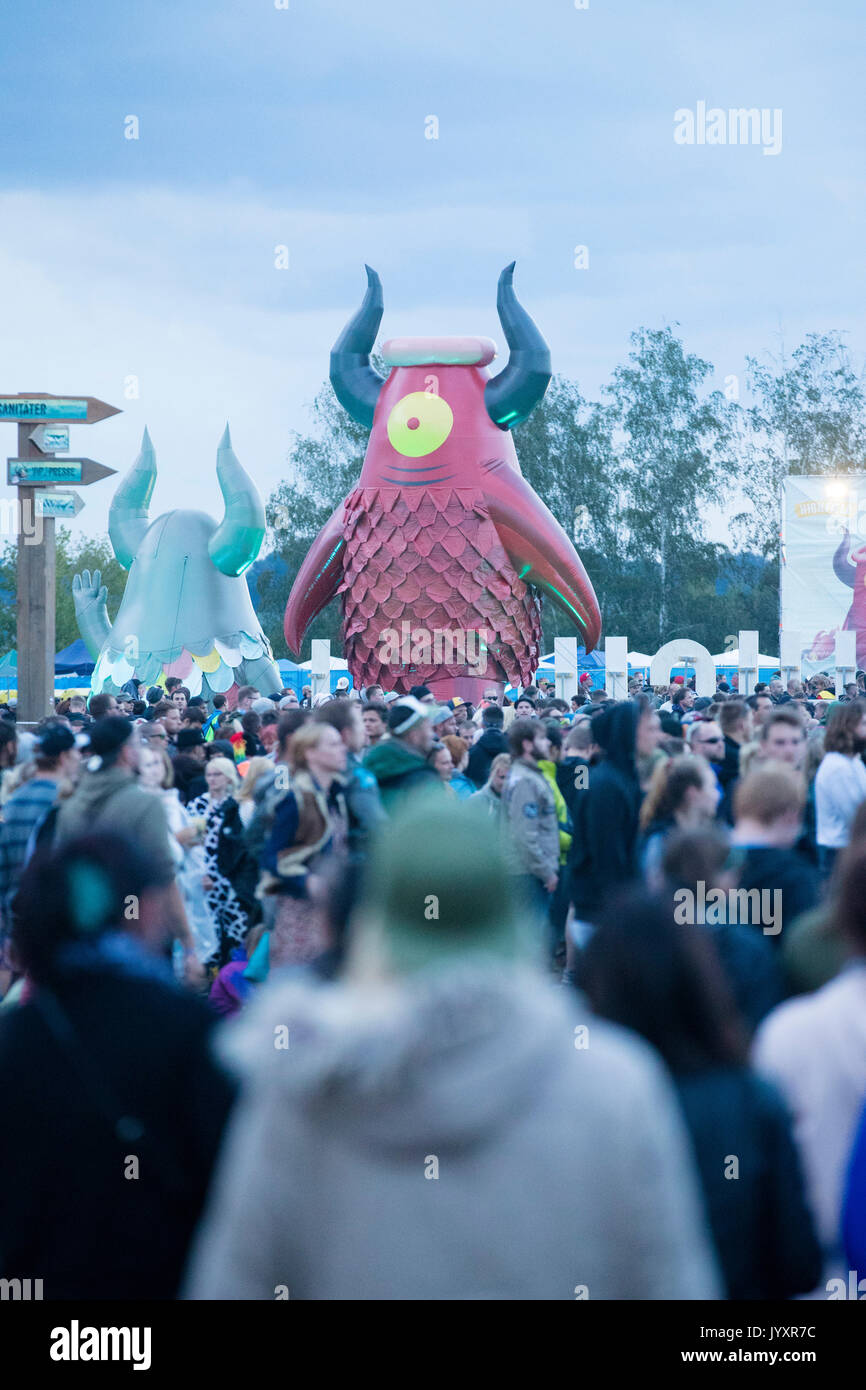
x=512 y=395
x=356 y=383
x=237 y=540
x=127 y=517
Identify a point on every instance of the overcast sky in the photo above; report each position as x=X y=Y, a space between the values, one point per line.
x=260 y=127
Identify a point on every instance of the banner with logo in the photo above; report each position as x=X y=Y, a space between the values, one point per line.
x=823 y=567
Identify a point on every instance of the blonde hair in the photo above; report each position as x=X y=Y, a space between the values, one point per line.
x=167 y=778
x=226 y=766
x=256 y=769
x=501 y=760
x=770 y=792
x=308 y=736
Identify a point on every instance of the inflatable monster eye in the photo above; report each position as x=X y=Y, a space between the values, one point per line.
x=419 y=423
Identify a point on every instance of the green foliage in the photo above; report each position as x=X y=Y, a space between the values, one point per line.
x=809 y=416
x=323 y=468
x=84 y=553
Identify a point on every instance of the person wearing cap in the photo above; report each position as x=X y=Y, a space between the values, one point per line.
x=289 y=700
x=423 y=693
x=189 y=779
x=109 y=799
x=525 y=707
x=440 y=1066
x=341 y=689
x=399 y=762
x=57 y=761
x=444 y=721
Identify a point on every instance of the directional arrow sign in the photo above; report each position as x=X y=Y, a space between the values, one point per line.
x=51 y=439
x=65 y=410
x=26 y=472
x=63 y=504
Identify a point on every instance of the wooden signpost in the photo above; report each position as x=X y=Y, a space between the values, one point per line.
x=33 y=469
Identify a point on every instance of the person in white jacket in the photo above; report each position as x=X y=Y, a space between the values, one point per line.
x=444 y=1124
x=840 y=782
x=814 y=1048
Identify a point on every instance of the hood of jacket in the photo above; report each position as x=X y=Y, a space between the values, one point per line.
x=493 y=739
x=391 y=758
x=94 y=790
x=438 y=1060
x=615 y=731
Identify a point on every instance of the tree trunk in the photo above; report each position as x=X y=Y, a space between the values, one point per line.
x=663 y=578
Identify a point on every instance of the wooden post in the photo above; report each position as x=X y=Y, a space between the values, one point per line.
x=37 y=565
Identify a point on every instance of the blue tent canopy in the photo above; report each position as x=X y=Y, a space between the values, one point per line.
x=75 y=657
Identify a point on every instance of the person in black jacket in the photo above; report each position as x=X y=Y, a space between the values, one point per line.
x=114 y=1107
x=605 y=813
x=188 y=765
x=491 y=743
x=643 y=971
x=768 y=820
x=572 y=770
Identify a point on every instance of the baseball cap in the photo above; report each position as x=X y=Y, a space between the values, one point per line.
x=262 y=705
x=390 y=696
x=440 y=714
x=407 y=713
x=343 y=683
x=419 y=692
x=189 y=738
x=106 y=738
x=288 y=702
x=678 y=680
x=53 y=741
x=585 y=679
x=454 y=853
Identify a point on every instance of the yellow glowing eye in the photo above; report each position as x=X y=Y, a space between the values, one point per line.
x=419 y=423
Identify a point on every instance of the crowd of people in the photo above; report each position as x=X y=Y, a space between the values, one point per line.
x=366 y=995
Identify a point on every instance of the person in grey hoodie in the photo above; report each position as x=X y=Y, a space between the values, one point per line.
x=436 y=1126
x=108 y=798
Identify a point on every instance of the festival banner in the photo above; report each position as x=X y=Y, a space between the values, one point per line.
x=823 y=570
